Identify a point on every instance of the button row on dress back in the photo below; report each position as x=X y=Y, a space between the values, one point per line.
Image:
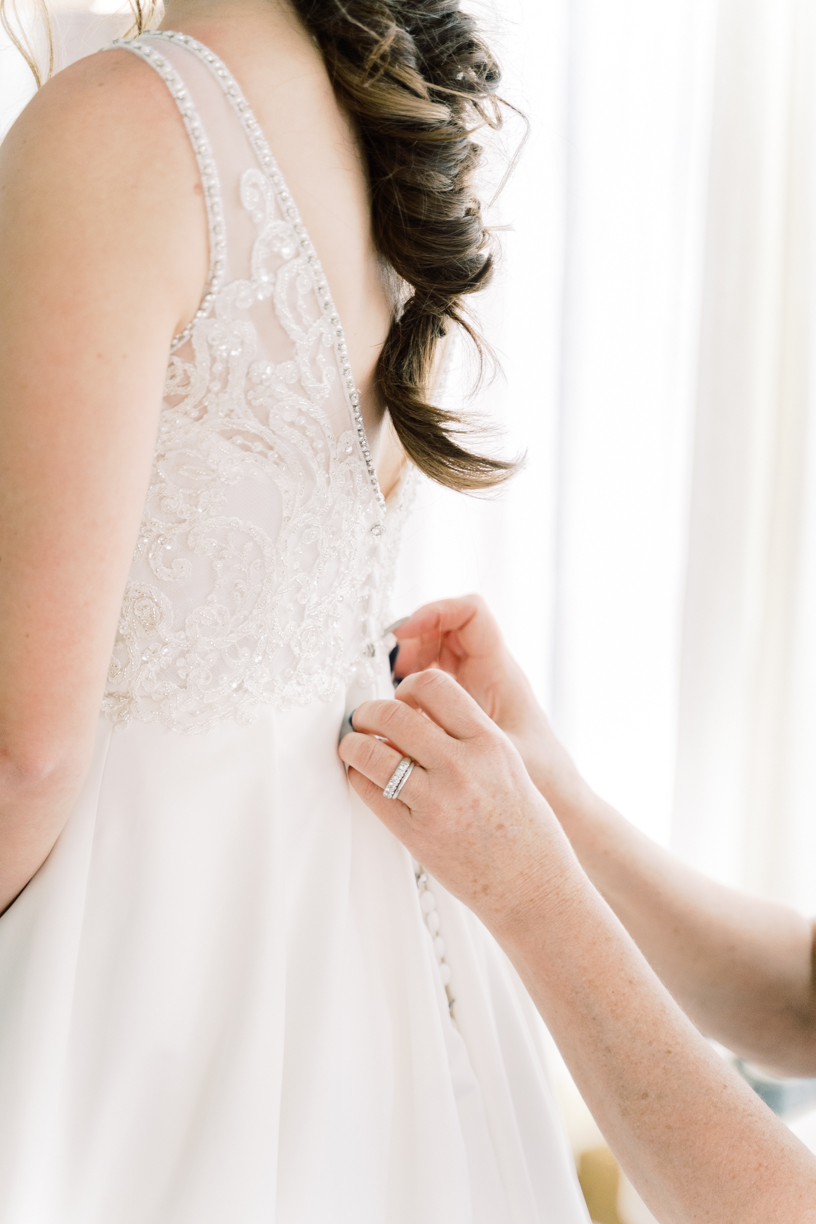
x=289 y=209
x=427 y=903
x=207 y=170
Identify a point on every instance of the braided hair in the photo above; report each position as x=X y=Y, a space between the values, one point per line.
x=417 y=78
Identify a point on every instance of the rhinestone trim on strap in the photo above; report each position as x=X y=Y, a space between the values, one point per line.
x=270 y=168
x=207 y=170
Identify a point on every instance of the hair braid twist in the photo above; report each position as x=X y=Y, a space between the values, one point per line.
x=417 y=78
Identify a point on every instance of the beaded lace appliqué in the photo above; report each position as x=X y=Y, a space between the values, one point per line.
x=263 y=559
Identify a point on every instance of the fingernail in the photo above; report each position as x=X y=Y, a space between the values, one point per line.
x=346 y=726
x=395 y=625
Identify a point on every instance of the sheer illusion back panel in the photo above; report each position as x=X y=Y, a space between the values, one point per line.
x=264 y=519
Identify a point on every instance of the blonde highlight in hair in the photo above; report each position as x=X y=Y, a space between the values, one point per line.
x=21 y=38
x=419 y=81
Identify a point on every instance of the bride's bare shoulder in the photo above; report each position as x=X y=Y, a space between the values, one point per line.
x=107 y=103
x=99 y=161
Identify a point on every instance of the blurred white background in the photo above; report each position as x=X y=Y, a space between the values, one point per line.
x=655 y=565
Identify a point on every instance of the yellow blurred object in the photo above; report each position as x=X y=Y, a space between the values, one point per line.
x=599 y=1176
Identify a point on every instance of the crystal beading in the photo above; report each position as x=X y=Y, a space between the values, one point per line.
x=262 y=569
x=265 y=158
x=206 y=168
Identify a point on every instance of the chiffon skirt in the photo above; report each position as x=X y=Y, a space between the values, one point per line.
x=220 y=1004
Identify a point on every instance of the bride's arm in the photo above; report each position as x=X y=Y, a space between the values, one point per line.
x=102 y=255
x=698 y=1144
x=742 y=968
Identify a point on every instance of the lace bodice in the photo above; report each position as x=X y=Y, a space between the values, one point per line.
x=264 y=558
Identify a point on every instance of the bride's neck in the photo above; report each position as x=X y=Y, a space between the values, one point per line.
x=245 y=29
x=181 y=13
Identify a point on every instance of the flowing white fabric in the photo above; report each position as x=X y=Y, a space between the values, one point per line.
x=219 y=1000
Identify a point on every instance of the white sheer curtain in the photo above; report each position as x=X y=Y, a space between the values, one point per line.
x=655 y=564
x=584 y=558
x=746 y=778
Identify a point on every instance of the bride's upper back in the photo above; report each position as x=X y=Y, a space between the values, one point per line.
x=105 y=252
x=259 y=570
x=284 y=79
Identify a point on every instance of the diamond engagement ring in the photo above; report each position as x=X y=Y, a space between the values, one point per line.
x=398 y=778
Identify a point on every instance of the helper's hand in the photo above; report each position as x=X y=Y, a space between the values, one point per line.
x=469 y=811
x=696 y=1141
x=462 y=637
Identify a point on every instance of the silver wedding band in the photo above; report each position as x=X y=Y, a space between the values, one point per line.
x=398 y=778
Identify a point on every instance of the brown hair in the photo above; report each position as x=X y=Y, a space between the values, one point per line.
x=418 y=80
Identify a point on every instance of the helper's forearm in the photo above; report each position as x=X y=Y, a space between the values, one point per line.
x=742 y=968
x=696 y=1142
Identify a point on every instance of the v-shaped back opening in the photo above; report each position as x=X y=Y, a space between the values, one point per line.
x=286 y=224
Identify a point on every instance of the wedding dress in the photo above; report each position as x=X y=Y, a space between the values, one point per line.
x=228 y=997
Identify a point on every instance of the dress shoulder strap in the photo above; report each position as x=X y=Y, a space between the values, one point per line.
x=196 y=96
x=251 y=211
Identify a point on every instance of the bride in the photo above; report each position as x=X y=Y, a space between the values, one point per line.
x=226 y=993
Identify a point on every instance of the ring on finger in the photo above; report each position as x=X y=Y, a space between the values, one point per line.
x=398 y=778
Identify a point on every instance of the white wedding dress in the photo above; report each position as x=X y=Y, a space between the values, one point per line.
x=223 y=998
